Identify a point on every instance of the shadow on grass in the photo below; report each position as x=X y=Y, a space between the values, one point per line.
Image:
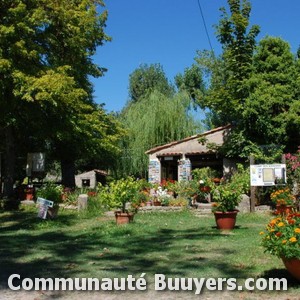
x=281 y=273
x=62 y=249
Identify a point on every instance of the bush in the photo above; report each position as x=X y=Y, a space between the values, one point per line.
x=282 y=236
x=51 y=191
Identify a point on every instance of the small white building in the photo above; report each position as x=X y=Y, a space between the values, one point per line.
x=177 y=159
x=91 y=178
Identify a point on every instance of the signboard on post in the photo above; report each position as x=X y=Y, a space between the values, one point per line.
x=267 y=175
x=35 y=164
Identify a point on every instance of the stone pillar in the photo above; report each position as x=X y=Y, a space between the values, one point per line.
x=82 y=201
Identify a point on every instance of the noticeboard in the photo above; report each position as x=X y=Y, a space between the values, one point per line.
x=267 y=175
x=35 y=164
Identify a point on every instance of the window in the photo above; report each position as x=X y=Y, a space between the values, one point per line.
x=86 y=182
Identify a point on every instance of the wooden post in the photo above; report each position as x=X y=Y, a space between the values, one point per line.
x=252 y=189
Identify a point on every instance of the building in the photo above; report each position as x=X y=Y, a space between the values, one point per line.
x=91 y=178
x=177 y=159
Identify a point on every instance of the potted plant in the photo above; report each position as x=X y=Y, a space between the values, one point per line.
x=122 y=194
x=226 y=199
x=284 y=200
x=228 y=194
x=204 y=178
x=161 y=196
x=29 y=192
x=52 y=192
x=282 y=239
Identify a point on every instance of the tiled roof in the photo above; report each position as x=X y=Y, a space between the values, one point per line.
x=200 y=149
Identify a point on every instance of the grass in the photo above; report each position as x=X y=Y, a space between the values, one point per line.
x=177 y=244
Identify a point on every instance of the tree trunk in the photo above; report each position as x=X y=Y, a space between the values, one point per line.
x=9 y=163
x=68 y=173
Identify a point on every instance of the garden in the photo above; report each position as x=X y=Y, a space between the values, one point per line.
x=88 y=243
x=177 y=244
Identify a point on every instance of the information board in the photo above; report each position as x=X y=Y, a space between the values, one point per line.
x=184 y=170
x=154 y=171
x=268 y=174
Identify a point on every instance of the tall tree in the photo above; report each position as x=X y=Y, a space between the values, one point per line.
x=147 y=78
x=192 y=82
x=154 y=120
x=45 y=62
x=230 y=72
x=272 y=91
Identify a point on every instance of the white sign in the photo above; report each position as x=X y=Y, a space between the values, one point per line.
x=35 y=163
x=44 y=204
x=43 y=201
x=267 y=175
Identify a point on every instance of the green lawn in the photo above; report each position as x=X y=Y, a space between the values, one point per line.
x=177 y=244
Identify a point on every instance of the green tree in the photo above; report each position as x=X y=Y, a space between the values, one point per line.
x=272 y=92
x=192 y=82
x=45 y=63
x=147 y=78
x=229 y=73
x=152 y=121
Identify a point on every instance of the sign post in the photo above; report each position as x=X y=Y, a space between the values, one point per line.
x=265 y=175
x=44 y=204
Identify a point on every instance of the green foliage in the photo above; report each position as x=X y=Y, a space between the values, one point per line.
x=272 y=92
x=192 y=82
x=179 y=201
x=226 y=198
x=240 y=180
x=283 y=196
x=282 y=236
x=205 y=174
x=228 y=73
x=254 y=87
x=228 y=193
x=120 y=192
x=51 y=191
x=293 y=169
x=153 y=121
x=45 y=66
x=186 y=188
x=146 y=79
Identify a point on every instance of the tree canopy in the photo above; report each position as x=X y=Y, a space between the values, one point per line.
x=45 y=64
x=147 y=78
x=252 y=86
x=154 y=120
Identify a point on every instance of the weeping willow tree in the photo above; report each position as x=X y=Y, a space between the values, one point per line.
x=154 y=120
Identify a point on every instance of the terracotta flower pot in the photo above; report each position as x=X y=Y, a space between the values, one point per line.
x=225 y=220
x=123 y=218
x=156 y=203
x=293 y=266
x=52 y=212
x=205 y=189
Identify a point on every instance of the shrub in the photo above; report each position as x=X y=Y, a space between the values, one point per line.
x=282 y=236
x=52 y=192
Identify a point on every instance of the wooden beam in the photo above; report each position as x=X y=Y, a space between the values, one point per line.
x=252 y=189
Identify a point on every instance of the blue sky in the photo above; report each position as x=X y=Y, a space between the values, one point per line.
x=169 y=32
